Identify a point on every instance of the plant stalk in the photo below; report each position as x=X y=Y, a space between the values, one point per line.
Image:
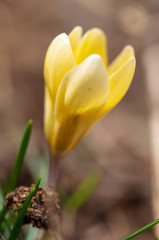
x=53 y=170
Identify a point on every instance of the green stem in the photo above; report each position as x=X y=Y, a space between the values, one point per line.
x=133 y=235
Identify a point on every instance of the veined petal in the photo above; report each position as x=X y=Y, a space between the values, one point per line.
x=75 y=36
x=84 y=87
x=58 y=61
x=119 y=83
x=48 y=114
x=93 y=42
x=121 y=59
x=80 y=97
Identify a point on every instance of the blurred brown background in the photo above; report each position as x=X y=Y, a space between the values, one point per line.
x=119 y=146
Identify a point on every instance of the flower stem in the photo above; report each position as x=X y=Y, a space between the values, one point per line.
x=133 y=235
x=53 y=171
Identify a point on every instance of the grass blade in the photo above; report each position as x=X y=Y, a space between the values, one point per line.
x=20 y=157
x=82 y=193
x=17 y=166
x=31 y=233
x=17 y=226
x=138 y=232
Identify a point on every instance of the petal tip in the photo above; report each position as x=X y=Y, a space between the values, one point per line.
x=76 y=31
x=78 y=28
x=62 y=36
x=129 y=49
x=132 y=60
x=95 y=58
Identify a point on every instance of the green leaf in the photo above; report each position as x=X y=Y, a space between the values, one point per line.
x=82 y=193
x=8 y=224
x=42 y=161
x=17 y=166
x=31 y=232
x=20 y=157
x=1 y=196
x=141 y=230
x=17 y=226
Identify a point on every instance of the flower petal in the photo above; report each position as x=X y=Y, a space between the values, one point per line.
x=93 y=42
x=58 y=61
x=48 y=114
x=84 y=87
x=75 y=36
x=121 y=59
x=80 y=97
x=119 y=83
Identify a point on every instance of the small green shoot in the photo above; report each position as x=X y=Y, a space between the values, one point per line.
x=17 y=226
x=141 y=230
x=82 y=193
x=42 y=161
x=20 y=158
x=17 y=166
x=31 y=232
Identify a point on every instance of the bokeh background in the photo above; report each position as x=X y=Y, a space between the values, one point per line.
x=119 y=146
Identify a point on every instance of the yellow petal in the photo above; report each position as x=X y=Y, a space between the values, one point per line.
x=121 y=59
x=93 y=42
x=75 y=36
x=84 y=87
x=80 y=97
x=58 y=61
x=119 y=83
x=48 y=114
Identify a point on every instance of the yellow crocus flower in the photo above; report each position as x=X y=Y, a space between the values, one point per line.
x=80 y=86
